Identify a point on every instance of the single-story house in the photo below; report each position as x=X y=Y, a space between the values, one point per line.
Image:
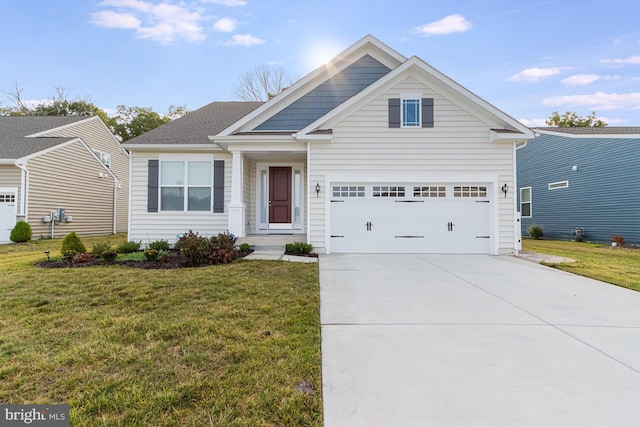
x=581 y=180
x=48 y=163
x=372 y=152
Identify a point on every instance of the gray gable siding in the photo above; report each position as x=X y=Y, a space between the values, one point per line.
x=326 y=96
x=602 y=196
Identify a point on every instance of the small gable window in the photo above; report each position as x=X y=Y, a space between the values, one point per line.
x=411 y=112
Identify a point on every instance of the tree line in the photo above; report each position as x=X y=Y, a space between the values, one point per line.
x=126 y=123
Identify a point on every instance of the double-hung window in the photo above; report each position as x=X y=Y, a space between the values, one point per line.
x=186 y=185
x=525 y=202
x=410 y=109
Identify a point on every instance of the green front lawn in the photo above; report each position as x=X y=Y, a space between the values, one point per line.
x=617 y=265
x=221 y=345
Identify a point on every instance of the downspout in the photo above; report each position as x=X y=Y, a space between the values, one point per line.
x=24 y=182
x=515 y=200
x=116 y=184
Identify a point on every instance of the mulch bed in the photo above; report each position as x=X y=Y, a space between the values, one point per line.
x=173 y=261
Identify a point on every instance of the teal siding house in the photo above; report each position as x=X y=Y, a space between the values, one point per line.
x=581 y=182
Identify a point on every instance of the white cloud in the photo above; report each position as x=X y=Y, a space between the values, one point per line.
x=110 y=19
x=225 y=25
x=534 y=74
x=231 y=3
x=622 y=61
x=585 y=79
x=450 y=24
x=162 y=22
x=597 y=101
x=243 y=40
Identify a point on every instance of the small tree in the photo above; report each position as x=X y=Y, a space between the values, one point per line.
x=72 y=243
x=21 y=232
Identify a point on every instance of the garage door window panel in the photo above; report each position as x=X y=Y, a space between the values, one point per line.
x=429 y=191
x=470 y=191
x=348 y=191
x=388 y=191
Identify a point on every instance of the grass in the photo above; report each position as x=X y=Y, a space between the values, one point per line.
x=617 y=265
x=221 y=345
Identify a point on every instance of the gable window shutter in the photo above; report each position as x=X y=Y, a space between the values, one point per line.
x=152 y=185
x=394 y=112
x=427 y=112
x=218 y=186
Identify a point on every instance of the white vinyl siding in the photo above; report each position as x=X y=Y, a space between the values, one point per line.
x=147 y=227
x=456 y=149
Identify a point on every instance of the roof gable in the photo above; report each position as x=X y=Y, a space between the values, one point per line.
x=326 y=96
x=438 y=82
x=16 y=134
x=368 y=45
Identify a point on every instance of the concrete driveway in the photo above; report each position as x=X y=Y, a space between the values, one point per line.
x=419 y=340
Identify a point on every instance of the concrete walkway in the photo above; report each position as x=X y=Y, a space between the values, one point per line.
x=422 y=340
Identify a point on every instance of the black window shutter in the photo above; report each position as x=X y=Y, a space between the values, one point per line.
x=427 y=112
x=218 y=186
x=152 y=185
x=394 y=112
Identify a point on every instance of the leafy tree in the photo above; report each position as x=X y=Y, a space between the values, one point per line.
x=571 y=120
x=130 y=122
x=262 y=83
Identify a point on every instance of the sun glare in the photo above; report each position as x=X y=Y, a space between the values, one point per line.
x=320 y=52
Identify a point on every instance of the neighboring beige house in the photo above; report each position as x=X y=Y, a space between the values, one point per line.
x=73 y=163
x=372 y=152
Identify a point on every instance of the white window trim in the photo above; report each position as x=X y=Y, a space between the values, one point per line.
x=406 y=97
x=184 y=158
x=558 y=185
x=530 y=202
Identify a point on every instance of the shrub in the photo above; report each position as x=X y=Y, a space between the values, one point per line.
x=21 y=232
x=82 y=258
x=69 y=255
x=222 y=256
x=128 y=247
x=72 y=242
x=151 y=254
x=159 y=245
x=245 y=247
x=535 y=231
x=298 y=248
x=109 y=255
x=193 y=248
x=223 y=241
x=618 y=240
x=100 y=247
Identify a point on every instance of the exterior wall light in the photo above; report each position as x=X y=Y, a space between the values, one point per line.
x=505 y=189
x=317 y=189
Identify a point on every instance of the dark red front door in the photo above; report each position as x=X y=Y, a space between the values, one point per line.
x=280 y=195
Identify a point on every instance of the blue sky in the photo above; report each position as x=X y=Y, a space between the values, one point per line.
x=528 y=58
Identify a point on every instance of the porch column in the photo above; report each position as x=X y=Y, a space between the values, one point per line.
x=236 y=206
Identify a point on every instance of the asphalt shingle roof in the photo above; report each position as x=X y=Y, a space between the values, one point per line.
x=196 y=126
x=14 y=143
x=607 y=130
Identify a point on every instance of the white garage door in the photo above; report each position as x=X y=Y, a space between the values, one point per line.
x=410 y=218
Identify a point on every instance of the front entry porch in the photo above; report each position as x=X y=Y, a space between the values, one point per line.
x=268 y=195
